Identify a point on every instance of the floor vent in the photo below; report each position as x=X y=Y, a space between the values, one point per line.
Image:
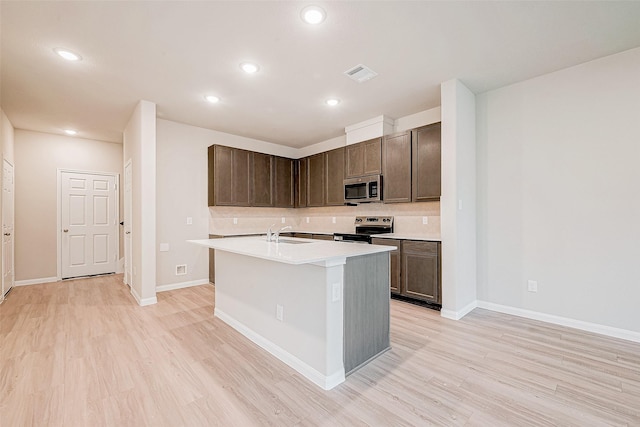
x=360 y=73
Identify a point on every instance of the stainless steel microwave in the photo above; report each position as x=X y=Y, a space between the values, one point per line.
x=363 y=189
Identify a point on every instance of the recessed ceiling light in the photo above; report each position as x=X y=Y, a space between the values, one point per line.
x=67 y=54
x=212 y=98
x=332 y=102
x=249 y=67
x=313 y=15
x=70 y=132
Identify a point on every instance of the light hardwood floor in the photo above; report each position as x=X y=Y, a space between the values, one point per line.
x=82 y=353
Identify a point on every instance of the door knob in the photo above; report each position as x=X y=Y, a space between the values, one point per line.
x=65 y=230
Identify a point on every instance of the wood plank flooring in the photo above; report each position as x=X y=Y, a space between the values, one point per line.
x=82 y=353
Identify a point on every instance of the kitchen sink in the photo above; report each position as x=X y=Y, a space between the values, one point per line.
x=293 y=242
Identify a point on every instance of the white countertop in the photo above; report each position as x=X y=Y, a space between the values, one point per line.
x=264 y=232
x=312 y=251
x=406 y=236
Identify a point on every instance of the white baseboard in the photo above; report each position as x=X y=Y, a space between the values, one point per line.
x=563 y=321
x=143 y=301
x=323 y=381
x=173 y=286
x=457 y=315
x=35 y=281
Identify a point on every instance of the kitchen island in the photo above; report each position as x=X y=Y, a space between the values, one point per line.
x=321 y=307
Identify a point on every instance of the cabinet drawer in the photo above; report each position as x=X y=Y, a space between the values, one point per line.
x=420 y=247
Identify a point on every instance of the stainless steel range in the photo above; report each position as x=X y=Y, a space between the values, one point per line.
x=365 y=227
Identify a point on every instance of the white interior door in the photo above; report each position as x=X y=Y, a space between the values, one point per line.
x=128 y=200
x=89 y=224
x=7 y=228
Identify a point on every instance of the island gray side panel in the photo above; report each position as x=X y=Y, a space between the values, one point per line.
x=366 y=309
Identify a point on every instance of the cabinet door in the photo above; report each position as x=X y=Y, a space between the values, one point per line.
x=396 y=165
x=220 y=175
x=421 y=270
x=363 y=158
x=426 y=169
x=240 y=177
x=301 y=183
x=284 y=179
x=354 y=160
x=315 y=180
x=334 y=173
x=394 y=257
x=372 y=156
x=262 y=182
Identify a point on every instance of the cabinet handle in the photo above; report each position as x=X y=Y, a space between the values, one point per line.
x=65 y=230
x=127 y=232
x=7 y=234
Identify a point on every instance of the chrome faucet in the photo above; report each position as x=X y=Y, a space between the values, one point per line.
x=277 y=233
x=270 y=233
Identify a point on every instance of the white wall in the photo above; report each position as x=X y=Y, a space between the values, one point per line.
x=181 y=192
x=139 y=146
x=559 y=193
x=458 y=200
x=38 y=156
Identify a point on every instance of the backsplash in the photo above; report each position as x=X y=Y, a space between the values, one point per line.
x=408 y=218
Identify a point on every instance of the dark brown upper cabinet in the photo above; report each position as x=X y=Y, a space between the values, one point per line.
x=426 y=167
x=229 y=176
x=363 y=158
x=262 y=182
x=301 y=182
x=396 y=167
x=334 y=173
x=315 y=180
x=284 y=183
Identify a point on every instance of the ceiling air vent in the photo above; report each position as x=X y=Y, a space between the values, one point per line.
x=361 y=73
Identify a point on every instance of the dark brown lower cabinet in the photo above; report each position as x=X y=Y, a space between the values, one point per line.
x=322 y=236
x=415 y=269
x=421 y=270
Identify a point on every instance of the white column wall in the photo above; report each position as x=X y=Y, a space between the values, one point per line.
x=140 y=146
x=458 y=200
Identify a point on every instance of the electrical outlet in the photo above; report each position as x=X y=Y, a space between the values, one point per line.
x=307 y=220
x=235 y=220
x=532 y=286
x=164 y=247
x=333 y=219
x=189 y=220
x=282 y=220
x=335 y=292
x=425 y=220
x=460 y=204
x=181 y=269
x=279 y=312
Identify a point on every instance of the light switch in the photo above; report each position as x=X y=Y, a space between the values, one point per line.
x=189 y=220
x=164 y=247
x=235 y=220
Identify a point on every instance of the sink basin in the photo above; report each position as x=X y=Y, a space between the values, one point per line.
x=293 y=242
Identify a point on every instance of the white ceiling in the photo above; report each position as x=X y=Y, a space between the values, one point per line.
x=173 y=53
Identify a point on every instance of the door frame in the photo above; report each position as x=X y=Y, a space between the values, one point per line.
x=127 y=216
x=4 y=290
x=59 y=173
